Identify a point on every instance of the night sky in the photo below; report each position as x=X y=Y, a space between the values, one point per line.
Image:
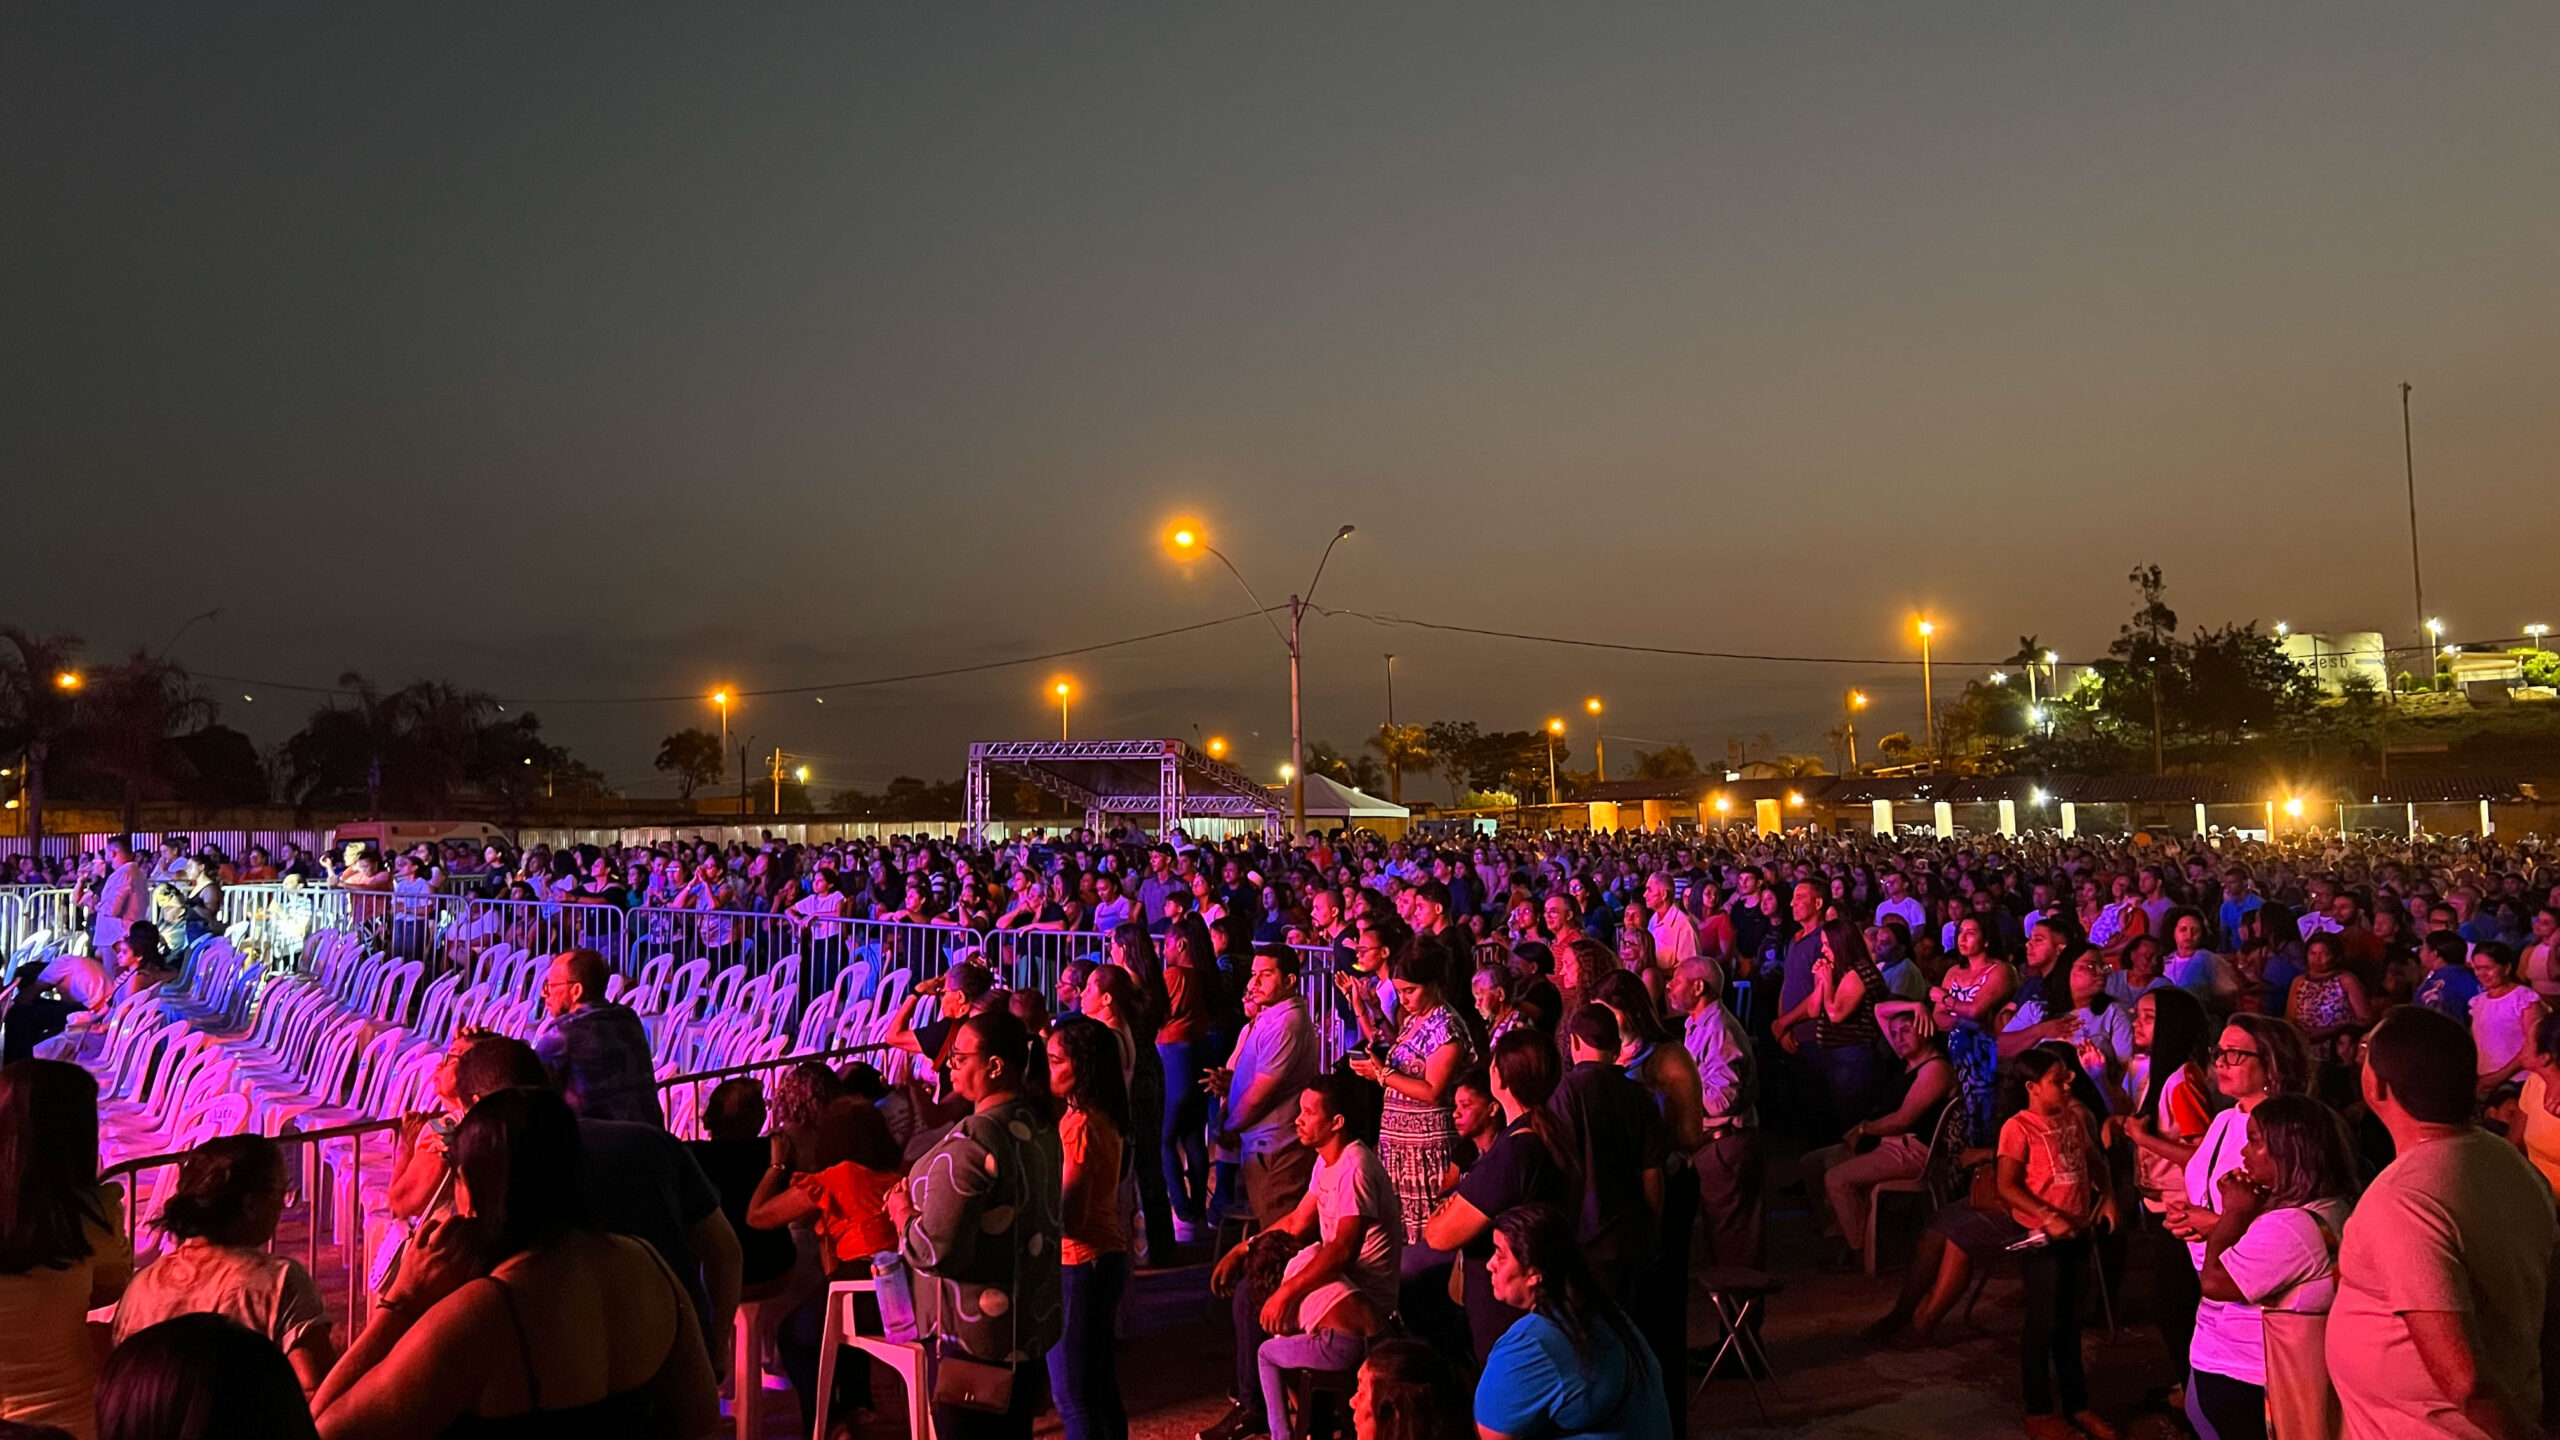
x=575 y=353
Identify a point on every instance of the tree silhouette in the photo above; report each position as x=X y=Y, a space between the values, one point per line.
x=35 y=709
x=694 y=757
x=132 y=716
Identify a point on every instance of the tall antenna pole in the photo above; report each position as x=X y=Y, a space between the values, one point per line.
x=2417 y=577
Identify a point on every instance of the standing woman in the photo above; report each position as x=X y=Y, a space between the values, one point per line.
x=1141 y=1013
x=1093 y=1256
x=2173 y=1107
x=1842 y=1006
x=2260 y=1056
x=61 y=1255
x=1966 y=1005
x=2330 y=1005
x=2275 y=1249
x=1418 y=1132
x=2503 y=1015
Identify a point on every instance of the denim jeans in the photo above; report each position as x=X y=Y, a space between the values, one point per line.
x=1316 y=1350
x=1084 y=1371
x=1184 y=1146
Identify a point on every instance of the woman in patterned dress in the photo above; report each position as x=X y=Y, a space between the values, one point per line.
x=1967 y=1005
x=1434 y=1045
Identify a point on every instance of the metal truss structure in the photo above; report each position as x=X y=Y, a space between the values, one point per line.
x=1165 y=778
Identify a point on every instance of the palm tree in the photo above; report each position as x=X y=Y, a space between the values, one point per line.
x=133 y=716
x=36 y=708
x=1402 y=747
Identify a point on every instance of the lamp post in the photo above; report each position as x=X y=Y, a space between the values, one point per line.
x=2535 y=633
x=1555 y=728
x=2409 y=467
x=1599 y=742
x=1928 y=696
x=720 y=697
x=1065 y=691
x=1850 y=705
x=1187 y=541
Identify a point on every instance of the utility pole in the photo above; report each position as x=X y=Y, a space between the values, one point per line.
x=2158 y=764
x=1395 y=771
x=2417 y=577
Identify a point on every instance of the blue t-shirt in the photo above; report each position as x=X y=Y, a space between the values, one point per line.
x=1535 y=1387
x=2448 y=990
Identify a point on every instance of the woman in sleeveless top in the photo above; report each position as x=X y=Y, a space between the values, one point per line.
x=518 y=1317
x=1967 y=1004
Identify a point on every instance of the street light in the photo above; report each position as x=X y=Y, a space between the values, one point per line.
x=1217 y=747
x=1999 y=677
x=2535 y=633
x=1850 y=705
x=1187 y=542
x=1555 y=728
x=1928 y=695
x=720 y=697
x=68 y=680
x=1065 y=691
x=2282 y=629
x=1288 y=773
x=1599 y=742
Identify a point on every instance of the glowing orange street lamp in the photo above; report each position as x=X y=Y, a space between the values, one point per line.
x=68 y=679
x=1217 y=747
x=720 y=697
x=1928 y=695
x=1188 y=542
x=1065 y=690
x=1599 y=742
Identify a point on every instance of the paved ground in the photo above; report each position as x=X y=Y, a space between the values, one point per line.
x=1830 y=1384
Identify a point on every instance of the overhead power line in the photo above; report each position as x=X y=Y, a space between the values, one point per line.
x=864 y=683
x=1911 y=660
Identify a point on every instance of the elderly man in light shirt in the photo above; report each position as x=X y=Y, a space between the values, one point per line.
x=1675 y=935
x=1727 y=1165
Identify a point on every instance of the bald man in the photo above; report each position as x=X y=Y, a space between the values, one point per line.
x=1727 y=1165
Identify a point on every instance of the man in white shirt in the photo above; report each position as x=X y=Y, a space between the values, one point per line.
x=1727 y=1164
x=1675 y=935
x=122 y=899
x=1354 y=1227
x=1899 y=901
x=2444 y=1298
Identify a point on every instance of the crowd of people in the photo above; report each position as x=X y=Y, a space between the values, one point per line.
x=2313 y=1083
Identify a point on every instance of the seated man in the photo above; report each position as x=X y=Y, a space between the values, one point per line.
x=1337 y=1291
x=597 y=1049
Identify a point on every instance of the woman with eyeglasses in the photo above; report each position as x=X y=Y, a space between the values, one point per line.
x=2259 y=1056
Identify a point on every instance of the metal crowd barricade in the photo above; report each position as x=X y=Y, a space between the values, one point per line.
x=755 y=939
x=1336 y=1034
x=330 y=1231
x=829 y=947
x=461 y=928
x=277 y=919
x=1031 y=959
x=680 y=1097
x=37 y=922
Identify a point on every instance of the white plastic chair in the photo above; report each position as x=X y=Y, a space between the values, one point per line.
x=905 y=1357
